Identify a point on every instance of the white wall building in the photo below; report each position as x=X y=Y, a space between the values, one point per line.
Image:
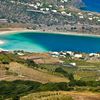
x=78 y=55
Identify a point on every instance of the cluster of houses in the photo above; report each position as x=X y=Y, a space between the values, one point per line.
x=89 y=16
x=43 y=7
x=53 y=57
x=65 y=54
x=62 y=54
x=72 y=17
x=3 y=20
x=89 y=57
x=61 y=8
x=74 y=55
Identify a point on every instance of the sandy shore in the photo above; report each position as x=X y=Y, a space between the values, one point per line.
x=1 y=42
x=22 y=30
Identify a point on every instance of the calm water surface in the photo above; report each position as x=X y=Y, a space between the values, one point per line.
x=42 y=42
x=92 y=5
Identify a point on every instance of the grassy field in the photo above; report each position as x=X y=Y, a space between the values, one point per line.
x=46 y=72
x=85 y=76
x=84 y=70
x=80 y=72
x=19 y=71
x=61 y=95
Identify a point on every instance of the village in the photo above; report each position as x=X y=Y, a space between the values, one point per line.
x=58 y=17
x=84 y=66
x=56 y=57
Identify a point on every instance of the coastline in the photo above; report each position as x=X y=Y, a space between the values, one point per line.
x=23 y=30
x=14 y=33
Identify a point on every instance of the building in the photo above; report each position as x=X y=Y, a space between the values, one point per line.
x=3 y=20
x=94 y=54
x=70 y=53
x=78 y=55
x=72 y=64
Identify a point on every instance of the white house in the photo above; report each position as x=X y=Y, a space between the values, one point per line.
x=38 y=4
x=90 y=18
x=42 y=9
x=81 y=17
x=61 y=61
x=65 y=0
x=61 y=6
x=70 y=53
x=50 y=6
x=55 y=53
x=78 y=55
x=63 y=12
x=80 y=13
x=68 y=14
x=47 y=9
x=54 y=11
x=94 y=54
x=12 y=1
x=3 y=20
x=35 y=6
x=31 y=5
x=90 y=14
x=73 y=64
x=20 y=54
x=98 y=20
x=63 y=53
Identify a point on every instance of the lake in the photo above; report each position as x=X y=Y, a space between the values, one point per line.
x=42 y=42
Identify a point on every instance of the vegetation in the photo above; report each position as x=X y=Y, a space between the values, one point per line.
x=66 y=74
x=28 y=14
x=86 y=71
x=18 y=88
x=47 y=96
x=9 y=57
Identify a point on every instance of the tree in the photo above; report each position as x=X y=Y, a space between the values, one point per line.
x=16 y=97
x=66 y=74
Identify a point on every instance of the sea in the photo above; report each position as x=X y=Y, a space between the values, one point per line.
x=45 y=42
x=92 y=5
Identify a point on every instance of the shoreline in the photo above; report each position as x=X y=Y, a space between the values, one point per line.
x=23 y=30
x=2 y=42
x=18 y=31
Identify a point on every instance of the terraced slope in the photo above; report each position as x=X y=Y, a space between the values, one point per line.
x=20 y=71
x=62 y=96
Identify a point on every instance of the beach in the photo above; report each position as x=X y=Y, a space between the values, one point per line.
x=23 y=30
x=1 y=42
x=45 y=41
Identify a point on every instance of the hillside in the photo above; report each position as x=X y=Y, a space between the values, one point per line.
x=48 y=15
x=62 y=96
x=14 y=68
x=19 y=71
x=21 y=74
x=52 y=75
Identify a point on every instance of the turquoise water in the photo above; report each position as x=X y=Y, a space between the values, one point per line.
x=92 y=5
x=42 y=42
